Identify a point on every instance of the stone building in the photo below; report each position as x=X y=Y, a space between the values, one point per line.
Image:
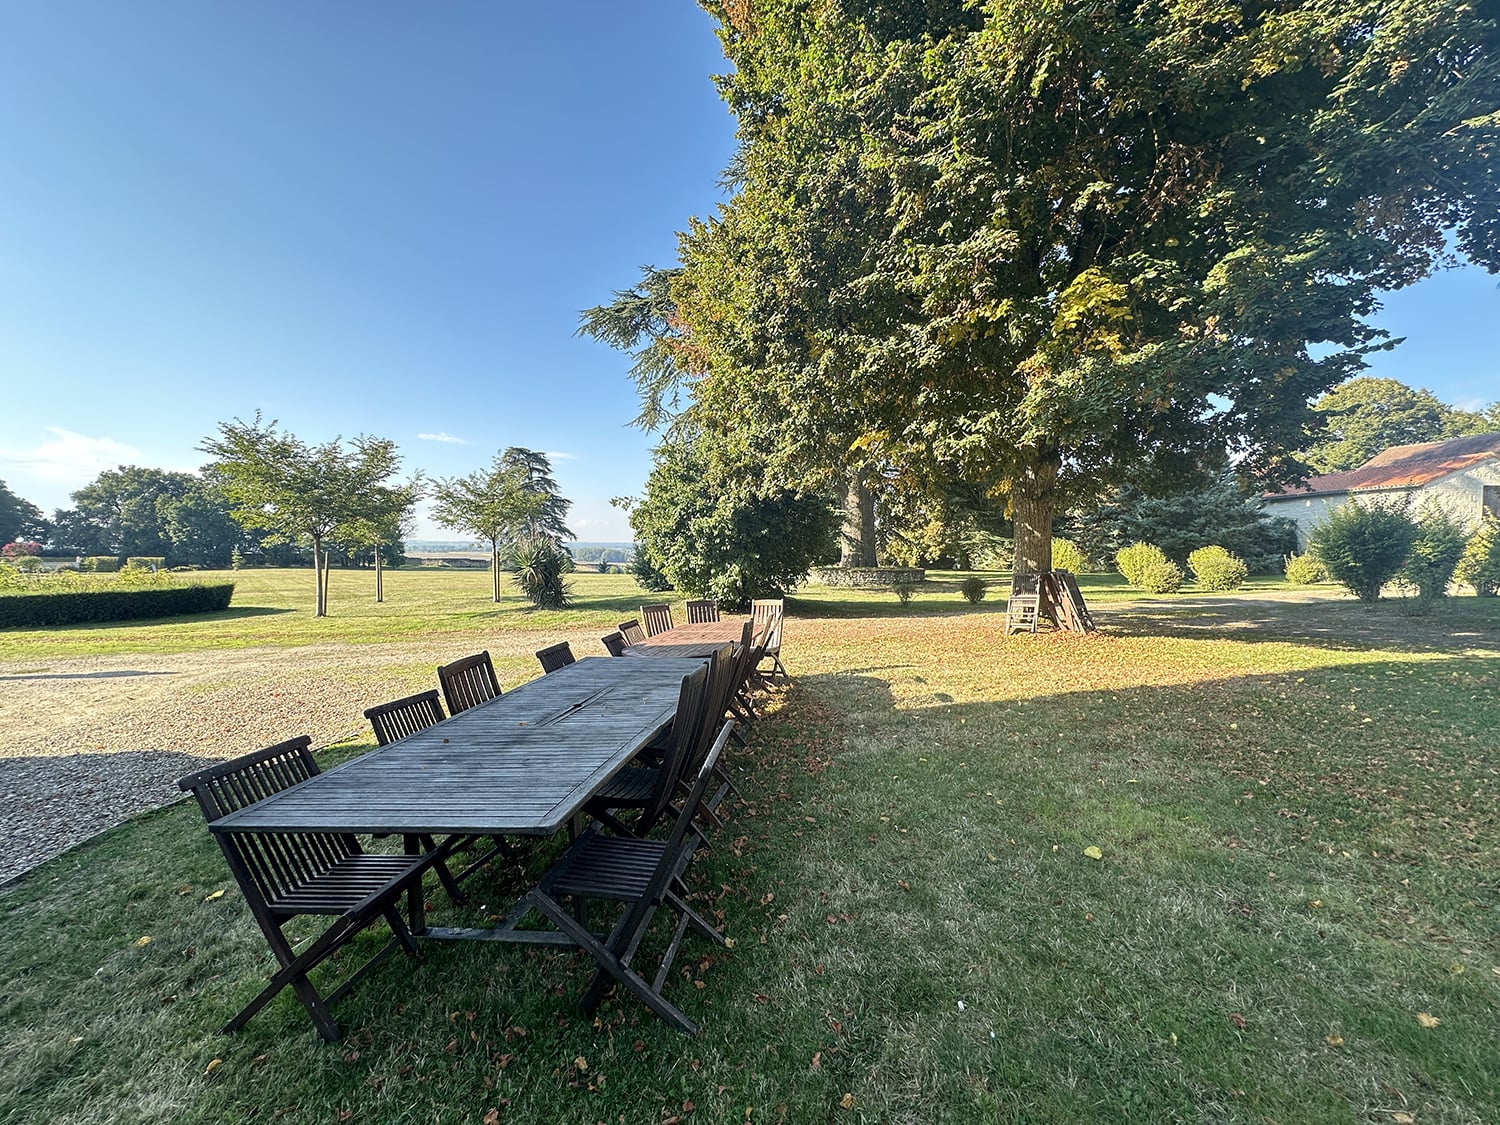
x=1462 y=474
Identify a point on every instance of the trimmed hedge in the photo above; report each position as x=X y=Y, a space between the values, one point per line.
x=28 y=611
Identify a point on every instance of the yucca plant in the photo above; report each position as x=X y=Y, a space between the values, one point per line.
x=540 y=566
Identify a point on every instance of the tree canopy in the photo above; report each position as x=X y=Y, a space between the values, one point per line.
x=1038 y=245
x=515 y=499
x=1367 y=415
x=706 y=528
x=19 y=519
x=277 y=482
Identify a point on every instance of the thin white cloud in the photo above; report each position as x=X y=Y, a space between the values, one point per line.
x=447 y=439
x=562 y=456
x=70 y=458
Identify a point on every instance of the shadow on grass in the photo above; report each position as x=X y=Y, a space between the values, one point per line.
x=1455 y=624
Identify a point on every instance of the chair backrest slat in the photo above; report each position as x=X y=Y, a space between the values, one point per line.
x=767 y=613
x=632 y=632
x=686 y=725
x=700 y=610
x=267 y=864
x=555 y=656
x=721 y=669
x=679 y=842
x=402 y=717
x=658 y=618
x=615 y=642
x=468 y=682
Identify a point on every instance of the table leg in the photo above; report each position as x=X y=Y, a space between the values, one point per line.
x=416 y=908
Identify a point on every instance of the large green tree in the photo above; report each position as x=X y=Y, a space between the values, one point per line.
x=1036 y=244
x=1367 y=415
x=294 y=491
x=710 y=531
x=513 y=500
x=20 y=519
x=123 y=511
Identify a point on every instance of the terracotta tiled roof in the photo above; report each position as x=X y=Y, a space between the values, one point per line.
x=1404 y=466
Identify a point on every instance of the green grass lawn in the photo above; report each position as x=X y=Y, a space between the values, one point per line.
x=1293 y=917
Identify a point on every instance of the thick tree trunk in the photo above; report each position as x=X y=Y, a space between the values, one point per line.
x=1033 y=505
x=857 y=541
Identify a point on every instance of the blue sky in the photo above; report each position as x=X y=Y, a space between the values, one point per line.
x=383 y=219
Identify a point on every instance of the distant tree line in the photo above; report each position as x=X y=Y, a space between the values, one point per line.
x=268 y=498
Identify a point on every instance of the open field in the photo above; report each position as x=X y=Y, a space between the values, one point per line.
x=1294 y=916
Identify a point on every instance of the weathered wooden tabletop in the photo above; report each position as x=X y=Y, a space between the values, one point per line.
x=700 y=639
x=521 y=764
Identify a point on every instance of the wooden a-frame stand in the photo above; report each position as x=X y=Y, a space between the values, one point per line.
x=1054 y=595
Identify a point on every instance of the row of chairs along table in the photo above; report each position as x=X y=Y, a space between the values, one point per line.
x=626 y=755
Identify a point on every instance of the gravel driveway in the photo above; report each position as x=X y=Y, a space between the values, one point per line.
x=92 y=741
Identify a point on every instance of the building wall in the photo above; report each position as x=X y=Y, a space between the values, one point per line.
x=1462 y=493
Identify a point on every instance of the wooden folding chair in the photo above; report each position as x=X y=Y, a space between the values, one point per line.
x=615 y=643
x=700 y=610
x=645 y=875
x=651 y=788
x=768 y=614
x=285 y=875
x=468 y=682
x=658 y=618
x=555 y=656
x=632 y=632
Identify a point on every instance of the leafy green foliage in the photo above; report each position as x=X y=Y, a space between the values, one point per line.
x=1364 y=545
x=647 y=575
x=1034 y=246
x=511 y=502
x=19 y=519
x=1133 y=560
x=1216 y=569
x=904 y=591
x=1367 y=415
x=1160 y=576
x=129 y=598
x=1305 y=570
x=1435 y=552
x=972 y=589
x=541 y=569
x=1200 y=508
x=705 y=528
x=293 y=491
x=1066 y=555
x=1480 y=565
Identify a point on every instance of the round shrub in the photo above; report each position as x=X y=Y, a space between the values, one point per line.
x=1304 y=570
x=1480 y=566
x=904 y=591
x=1067 y=555
x=1133 y=560
x=1435 y=552
x=1164 y=577
x=972 y=589
x=1216 y=569
x=1364 y=546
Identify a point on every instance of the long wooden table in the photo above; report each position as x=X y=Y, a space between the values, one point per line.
x=522 y=764
x=698 y=639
